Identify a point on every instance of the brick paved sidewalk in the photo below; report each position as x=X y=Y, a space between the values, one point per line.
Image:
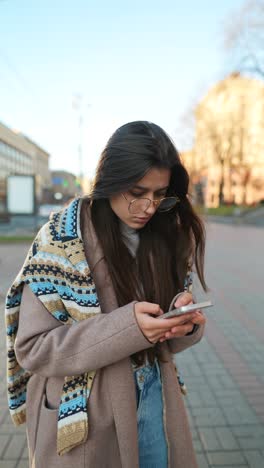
x=13 y=450
x=224 y=372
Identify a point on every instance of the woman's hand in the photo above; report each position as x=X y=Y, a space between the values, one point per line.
x=197 y=319
x=156 y=330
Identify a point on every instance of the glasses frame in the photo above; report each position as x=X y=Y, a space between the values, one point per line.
x=156 y=202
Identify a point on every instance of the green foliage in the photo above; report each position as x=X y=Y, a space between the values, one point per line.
x=15 y=239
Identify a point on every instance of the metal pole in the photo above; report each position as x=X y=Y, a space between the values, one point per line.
x=80 y=150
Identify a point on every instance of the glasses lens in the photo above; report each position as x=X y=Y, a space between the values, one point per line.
x=167 y=203
x=139 y=205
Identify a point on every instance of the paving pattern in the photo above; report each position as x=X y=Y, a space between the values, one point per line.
x=224 y=372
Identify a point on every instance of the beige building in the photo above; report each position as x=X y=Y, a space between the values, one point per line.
x=228 y=155
x=20 y=155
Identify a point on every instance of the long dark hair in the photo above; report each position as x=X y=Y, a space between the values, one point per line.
x=168 y=241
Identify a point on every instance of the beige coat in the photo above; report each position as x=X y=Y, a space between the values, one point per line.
x=51 y=350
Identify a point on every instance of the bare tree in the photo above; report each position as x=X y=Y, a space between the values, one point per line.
x=223 y=135
x=244 y=38
x=185 y=131
x=215 y=142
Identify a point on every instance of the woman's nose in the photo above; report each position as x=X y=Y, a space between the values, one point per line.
x=151 y=208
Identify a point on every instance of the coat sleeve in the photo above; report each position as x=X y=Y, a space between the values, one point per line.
x=176 y=345
x=45 y=346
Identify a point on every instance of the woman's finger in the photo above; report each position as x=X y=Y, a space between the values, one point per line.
x=176 y=321
x=199 y=318
x=177 y=332
x=184 y=299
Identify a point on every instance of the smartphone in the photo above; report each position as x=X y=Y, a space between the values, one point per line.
x=187 y=308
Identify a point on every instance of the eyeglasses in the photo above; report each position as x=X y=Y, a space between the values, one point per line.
x=142 y=204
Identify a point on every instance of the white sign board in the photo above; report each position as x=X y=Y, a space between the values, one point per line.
x=21 y=194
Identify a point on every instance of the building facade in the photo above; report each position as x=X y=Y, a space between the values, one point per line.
x=228 y=156
x=65 y=186
x=21 y=156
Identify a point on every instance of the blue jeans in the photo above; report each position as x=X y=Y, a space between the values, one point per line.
x=152 y=443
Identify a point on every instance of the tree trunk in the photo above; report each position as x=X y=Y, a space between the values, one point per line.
x=221 y=185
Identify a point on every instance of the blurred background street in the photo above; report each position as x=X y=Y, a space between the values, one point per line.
x=199 y=76
x=223 y=373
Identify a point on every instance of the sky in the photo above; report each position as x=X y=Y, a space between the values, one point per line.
x=118 y=60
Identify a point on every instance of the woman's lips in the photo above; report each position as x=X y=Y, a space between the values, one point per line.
x=142 y=220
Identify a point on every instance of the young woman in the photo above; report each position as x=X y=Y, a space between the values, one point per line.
x=90 y=365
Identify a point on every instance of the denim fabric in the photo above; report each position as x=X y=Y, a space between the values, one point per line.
x=152 y=443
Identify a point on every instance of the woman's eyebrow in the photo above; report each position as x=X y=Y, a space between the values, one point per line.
x=147 y=188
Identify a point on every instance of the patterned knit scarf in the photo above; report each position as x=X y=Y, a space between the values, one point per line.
x=57 y=272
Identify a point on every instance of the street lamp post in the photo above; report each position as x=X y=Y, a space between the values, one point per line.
x=77 y=105
x=80 y=149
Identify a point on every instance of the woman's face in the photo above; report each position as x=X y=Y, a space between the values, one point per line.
x=153 y=185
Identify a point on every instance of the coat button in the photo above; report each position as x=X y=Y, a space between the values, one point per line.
x=141 y=378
